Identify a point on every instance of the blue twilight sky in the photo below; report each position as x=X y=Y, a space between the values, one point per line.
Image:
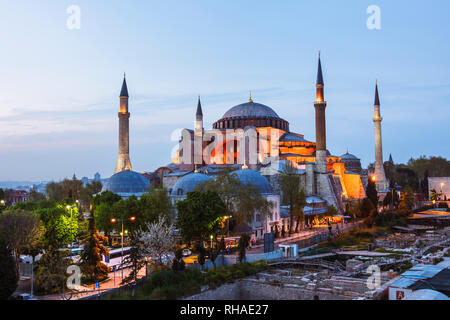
x=59 y=88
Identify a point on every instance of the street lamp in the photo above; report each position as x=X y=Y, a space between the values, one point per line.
x=114 y=220
x=2 y=202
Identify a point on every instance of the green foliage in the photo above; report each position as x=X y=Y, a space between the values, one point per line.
x=241 y=200
x=407 y=199
x=91 y=264
x=201 y=253
x=156 y=203
x=60 y=228
x=293 y=195
x=9 y=277
x=199 y=215
x=366 y=208
x=87 y=193
x=361 y=237
x=171 y=285
x=136 y=258
x=178 y=262
x=19 y=229
x=106 y=197
x=51 y=271
x=55 y=191
x=36 y=196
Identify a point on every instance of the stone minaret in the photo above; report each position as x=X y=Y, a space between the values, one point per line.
x=198 y=136
x=380 y=176
x=123 y=161
x=199 y=118
x=321 y=131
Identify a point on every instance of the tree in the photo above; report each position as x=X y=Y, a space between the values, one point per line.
x=136 y=257
x=156 y=203
x=87 y=193
x=61 y=227
x=242 y=201
x=407 y=199
x=55 y=191
x=200 y=215
x=9 y=277
x=293 y=195
x=243 y=244
x=103 y=215
x=178 y=262
x=126 y=209
x=2 y=194
x=19 y=229
x=51 y=271
x=201 y=254
x=36 y=196
x=250 y=201
x=158 y=238
x=366 y=208
x=91 y=264
x=372 y=193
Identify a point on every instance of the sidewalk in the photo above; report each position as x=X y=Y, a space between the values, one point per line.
x=104 y=286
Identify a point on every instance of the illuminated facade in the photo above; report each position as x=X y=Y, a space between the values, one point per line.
x=255 y=136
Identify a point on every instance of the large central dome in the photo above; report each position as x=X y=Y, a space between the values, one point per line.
x=250 y=110
x=251 y=114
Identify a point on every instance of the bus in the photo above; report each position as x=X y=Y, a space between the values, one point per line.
x=115 y=257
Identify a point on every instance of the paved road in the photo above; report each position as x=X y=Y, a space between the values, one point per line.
x=302 y=235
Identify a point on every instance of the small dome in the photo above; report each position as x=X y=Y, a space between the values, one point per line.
x=188 y=183
x=426 y=294
x=127 y=182
x=247 y=176
x=251 y=110
x=349 y=156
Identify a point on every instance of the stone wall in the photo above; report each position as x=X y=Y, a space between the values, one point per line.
x=250 y=289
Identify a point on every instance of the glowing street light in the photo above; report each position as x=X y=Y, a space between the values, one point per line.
x=114 y=220
x=374 y=179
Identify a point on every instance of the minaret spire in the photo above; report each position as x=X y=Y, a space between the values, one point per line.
x=123 y=161
x=321 y=131
x=250 y=99
x=320 y=97
x=380 y=175
x=124 y=91
x=377 y=97
x=199 y=113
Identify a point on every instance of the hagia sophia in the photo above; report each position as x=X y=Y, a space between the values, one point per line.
x=255 y=142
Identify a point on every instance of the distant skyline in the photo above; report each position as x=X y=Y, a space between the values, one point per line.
x=59 y=89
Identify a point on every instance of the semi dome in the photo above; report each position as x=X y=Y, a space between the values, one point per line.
x=127 y=183
x=251 y=114
x=188 y=183
x=247 y=176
